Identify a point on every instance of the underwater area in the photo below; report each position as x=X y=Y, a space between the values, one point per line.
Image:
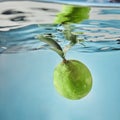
x=27 y=64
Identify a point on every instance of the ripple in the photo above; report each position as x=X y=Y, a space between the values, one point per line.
x=95 y=40
x=20 y=25
x=9 y=12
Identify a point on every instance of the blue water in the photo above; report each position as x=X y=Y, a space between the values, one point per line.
x=26 y=65
x=27 y=90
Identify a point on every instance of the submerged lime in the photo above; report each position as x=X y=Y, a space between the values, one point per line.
x=72 y=79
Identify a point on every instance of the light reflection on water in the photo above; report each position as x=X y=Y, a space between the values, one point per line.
x=19 y=26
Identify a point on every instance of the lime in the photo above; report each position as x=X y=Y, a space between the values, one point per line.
x=72 y=79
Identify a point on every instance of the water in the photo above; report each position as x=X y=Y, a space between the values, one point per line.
x=26 y=64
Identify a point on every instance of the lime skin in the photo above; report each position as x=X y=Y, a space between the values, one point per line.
x=72 y=79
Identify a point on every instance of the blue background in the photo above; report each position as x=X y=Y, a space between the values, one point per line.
x=27 y=91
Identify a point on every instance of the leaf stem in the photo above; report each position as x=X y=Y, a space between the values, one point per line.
x=55 y=46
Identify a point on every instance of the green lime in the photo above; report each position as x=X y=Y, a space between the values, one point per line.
x=72 y=79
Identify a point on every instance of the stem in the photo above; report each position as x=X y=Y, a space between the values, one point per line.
x=64 y=60
x=67 y=47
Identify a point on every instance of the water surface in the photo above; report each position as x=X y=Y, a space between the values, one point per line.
x=101 y=31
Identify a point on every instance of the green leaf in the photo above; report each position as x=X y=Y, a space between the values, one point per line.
x=52 y=43
x=49 y=41
x=72 y=14
x=61 y=53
